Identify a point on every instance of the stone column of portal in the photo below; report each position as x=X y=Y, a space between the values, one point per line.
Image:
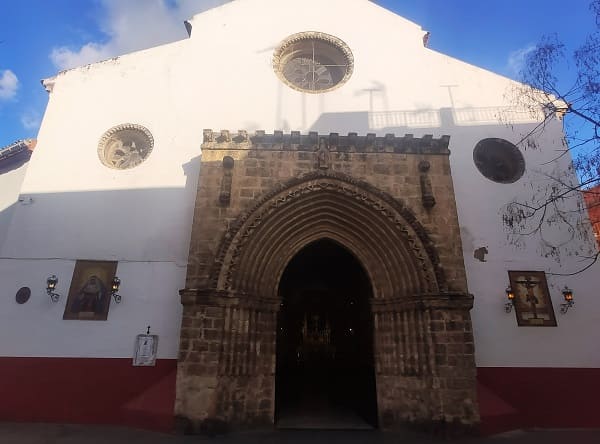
x=424 y=360
x=226 y=368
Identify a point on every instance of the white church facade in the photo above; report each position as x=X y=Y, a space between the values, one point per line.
x=128 y=181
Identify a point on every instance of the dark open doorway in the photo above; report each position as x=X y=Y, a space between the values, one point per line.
x=325 y=376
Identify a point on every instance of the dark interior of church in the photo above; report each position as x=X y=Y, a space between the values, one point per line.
x=325 y=374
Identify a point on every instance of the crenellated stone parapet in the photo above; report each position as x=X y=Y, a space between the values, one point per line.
x=295 y=141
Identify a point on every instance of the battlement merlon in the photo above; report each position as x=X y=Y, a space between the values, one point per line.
x=294 y=141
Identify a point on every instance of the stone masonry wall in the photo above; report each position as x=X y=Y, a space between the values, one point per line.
x=227 y=358
x=259 y=163
x=424 y=363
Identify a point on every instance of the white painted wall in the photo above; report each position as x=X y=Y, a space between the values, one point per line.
x=150 y=298
x=10 y=185
x=222 y=78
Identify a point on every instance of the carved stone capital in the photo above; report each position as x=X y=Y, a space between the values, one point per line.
x=209 y=297
x=442 y=301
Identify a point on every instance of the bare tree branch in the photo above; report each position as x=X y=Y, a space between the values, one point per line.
x=555 y=212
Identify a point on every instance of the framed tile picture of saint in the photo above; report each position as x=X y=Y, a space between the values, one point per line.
x=89 y=294
x=533 y=305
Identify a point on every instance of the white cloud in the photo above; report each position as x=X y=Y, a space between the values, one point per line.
x=131 y=25
x=516 y=60
x=65 y=58
x=9 y=83
x=30 y=120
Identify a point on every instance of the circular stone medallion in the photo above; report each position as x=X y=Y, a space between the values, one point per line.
x=125 y=146
x=313 y=62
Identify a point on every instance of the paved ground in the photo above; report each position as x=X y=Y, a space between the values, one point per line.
x=75 y=434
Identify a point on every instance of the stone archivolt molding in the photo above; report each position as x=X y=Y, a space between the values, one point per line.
x=380 y=231
x=352 y=143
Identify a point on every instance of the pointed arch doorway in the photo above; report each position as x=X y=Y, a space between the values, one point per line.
x=254 y=221
x=325 y=375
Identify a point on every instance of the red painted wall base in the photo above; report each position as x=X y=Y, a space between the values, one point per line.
x=89 y=391
x=112 y=391
x=518 y=397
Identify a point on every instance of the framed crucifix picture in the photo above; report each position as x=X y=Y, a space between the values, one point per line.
x=533 y=306
x=89 y=295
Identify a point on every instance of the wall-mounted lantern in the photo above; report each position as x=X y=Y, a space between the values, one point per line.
x=114 y=288
x=51 y=284
x=568 y=295
x=510 y=295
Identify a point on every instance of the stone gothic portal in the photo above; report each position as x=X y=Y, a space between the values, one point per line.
x=325 y=370
x=326 y=277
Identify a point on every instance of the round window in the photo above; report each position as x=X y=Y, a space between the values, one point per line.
x=313 y=62
x=125 y=146
x=23 y=295
x=499 y=160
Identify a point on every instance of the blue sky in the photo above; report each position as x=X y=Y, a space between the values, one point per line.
x=38 y=38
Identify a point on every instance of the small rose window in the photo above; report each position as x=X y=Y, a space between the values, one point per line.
x=313 y=62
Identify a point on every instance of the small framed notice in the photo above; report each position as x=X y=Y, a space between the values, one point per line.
x=145 y=350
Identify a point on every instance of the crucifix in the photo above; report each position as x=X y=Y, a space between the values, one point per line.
x=531 y=298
